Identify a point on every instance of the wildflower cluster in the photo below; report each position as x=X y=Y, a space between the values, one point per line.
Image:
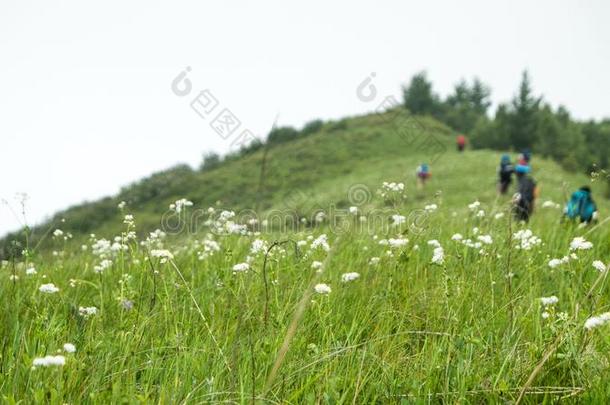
x=526 y=240
x=580 y=243
x=207 y=247
x=224 y=225
x=596 y=321
x=392 y=192
x=180 y=204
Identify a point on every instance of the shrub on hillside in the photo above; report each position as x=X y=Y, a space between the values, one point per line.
x=211 y=160
x=168 y=182
x=282 y=134
x=312 y=127
x=340 y=125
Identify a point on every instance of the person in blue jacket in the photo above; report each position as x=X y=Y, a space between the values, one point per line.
x=581 y=206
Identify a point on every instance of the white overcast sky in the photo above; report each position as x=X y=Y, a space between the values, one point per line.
x=86 y=105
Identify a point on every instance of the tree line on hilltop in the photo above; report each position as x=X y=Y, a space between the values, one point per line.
x=525 y=122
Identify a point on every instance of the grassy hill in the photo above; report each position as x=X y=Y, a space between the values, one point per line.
x=341 y=310
x=309 y=173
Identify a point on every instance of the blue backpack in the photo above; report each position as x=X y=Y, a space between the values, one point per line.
x=581 y=206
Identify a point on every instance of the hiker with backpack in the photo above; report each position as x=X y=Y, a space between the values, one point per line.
x=505 y=174
x=524 y=157
x=423 y=174
x=527 y=192
x=461 y=143
x=581 y=206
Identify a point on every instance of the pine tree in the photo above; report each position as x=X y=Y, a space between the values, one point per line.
x=419 y=98
x=466 y=105
x=480 y=96
x=524 y=116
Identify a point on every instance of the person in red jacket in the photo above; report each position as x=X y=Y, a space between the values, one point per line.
x=461 y=143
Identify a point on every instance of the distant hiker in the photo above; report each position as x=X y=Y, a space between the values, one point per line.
x=581 y=206
x=526 y=194
x=461 y=143
x=505 y=174
x=525 y=157
x=423 y=174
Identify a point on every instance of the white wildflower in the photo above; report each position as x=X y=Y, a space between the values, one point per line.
x=526 y=239
x=434 y=243
x=398 y=219
x=486 y=239
x=210 y=247
x=316 y=265
x=180 y=204
x=104 y=264
x=258 y=246
x=320 y=241
x=226 y=215
x=101 y=248
x=322 y=288
x=596 y=321
x=155 y=239
x=431 y=207
x=48 y=288
x=546 y=301
x=236 y=229
x=580 y=243
x=49 y=361
x=69 y=348
x=396 y=243
x=129 y=220
x=438 y=256
x=392 y=190
x=474 y=206
x=599 y=266
x=117 y=246
x=457 y=237
x=163 y=254
x=239 y=267
x=346 y=277
x=86 y=312
x=320 y=216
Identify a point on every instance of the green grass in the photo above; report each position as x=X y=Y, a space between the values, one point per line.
x=406 y=331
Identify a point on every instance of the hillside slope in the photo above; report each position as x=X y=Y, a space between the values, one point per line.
x=352 y=156
x=432 y=301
